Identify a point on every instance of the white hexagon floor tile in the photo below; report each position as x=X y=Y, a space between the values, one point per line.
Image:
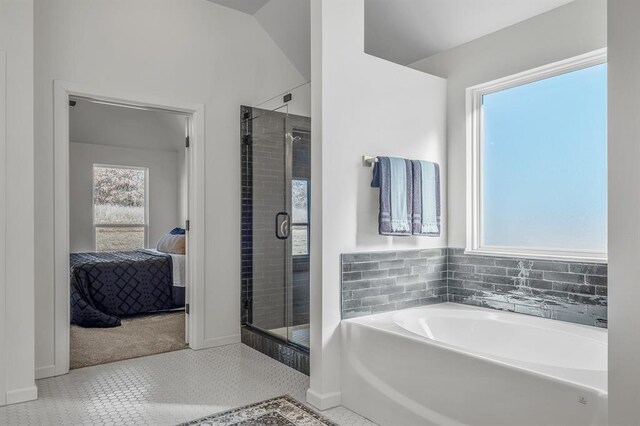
x=165 y=389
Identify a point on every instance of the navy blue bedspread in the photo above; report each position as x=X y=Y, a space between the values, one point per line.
x=107 y=285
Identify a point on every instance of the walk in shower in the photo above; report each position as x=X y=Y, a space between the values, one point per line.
x=276 y=194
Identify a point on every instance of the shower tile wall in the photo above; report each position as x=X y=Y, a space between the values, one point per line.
x=566 y=291
x=267 y=186
x=246 y=227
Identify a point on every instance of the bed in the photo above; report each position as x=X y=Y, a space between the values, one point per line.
x=108 y=285
x=179 y=268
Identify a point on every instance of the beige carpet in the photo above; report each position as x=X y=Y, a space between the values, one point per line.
x=137 y=336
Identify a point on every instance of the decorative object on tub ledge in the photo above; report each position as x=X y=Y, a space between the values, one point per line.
x=282 y=410
x=426 y=198
x=394 y=177
x=384 y=281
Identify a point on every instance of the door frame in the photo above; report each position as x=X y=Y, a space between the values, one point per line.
x=3 y=228
x=196 y=189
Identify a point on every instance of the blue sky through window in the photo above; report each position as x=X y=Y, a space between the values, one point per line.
x=544 y=163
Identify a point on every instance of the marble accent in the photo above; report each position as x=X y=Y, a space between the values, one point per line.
x=386 y=281
x=566 y=291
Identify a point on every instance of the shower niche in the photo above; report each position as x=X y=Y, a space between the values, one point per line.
x=275 y=240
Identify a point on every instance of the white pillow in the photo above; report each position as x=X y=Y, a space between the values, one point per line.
x=174 y=244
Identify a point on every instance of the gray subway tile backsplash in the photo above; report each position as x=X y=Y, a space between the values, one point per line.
x=392 y=280
x=386 y=281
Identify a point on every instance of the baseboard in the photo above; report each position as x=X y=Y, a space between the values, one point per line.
x=46 y=371
x=22 y=395
x=324 y=401
x=221 y=341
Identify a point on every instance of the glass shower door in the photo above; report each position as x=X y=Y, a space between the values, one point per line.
x=276 y=173
x=270 y=221
x=300 y=197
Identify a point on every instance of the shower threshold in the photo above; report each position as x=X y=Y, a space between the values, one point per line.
x=299 y=334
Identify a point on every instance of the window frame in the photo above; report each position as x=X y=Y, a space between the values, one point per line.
x=120 y=225
x=474 y=119
x=307 y=224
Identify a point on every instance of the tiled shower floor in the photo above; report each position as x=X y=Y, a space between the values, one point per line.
x=164 y=389
x=298 y=334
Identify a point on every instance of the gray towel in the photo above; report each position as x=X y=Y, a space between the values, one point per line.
x=382 y=179
x=426 y=187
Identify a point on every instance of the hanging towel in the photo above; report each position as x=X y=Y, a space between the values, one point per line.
x=394 y=178
x=426 y=198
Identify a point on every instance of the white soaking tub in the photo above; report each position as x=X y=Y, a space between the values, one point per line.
x=451 y=364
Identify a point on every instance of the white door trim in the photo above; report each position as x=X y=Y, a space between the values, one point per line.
x=3 y=228
x=62 y=92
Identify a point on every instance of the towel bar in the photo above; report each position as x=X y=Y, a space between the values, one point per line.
x=367 y=160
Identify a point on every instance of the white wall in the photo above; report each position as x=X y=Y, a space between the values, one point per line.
x=300 y=103
x=624 y=211
x=360 y=105
x=567 y=31
x=17 y=334
x=164 y=183
x=189 y=50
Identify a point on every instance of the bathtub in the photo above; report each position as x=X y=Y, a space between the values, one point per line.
x=451 y=364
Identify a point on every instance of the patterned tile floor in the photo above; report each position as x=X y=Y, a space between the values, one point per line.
x=165 y=389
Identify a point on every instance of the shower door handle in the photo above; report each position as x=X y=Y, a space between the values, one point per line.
x=283 y=227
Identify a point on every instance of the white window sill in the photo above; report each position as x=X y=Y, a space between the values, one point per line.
x=554 y=256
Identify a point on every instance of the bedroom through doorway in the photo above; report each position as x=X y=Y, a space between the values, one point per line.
x=128 y=230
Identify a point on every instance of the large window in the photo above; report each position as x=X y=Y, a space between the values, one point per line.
x=300 y=219
x=538 y=162
x=119 y=207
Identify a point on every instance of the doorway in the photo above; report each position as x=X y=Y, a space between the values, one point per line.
x=67 y=94
x=128 y=208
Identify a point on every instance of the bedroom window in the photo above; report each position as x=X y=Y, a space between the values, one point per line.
x=300 y=218
x=119 y=207
x=537 y=162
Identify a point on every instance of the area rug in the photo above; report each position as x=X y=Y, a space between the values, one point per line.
x=279 y=411
x=138 y=336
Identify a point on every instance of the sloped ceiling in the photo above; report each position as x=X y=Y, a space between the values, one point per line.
x=246 y=6
x=401 y=31
x=288 y=23
x=404 y=31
